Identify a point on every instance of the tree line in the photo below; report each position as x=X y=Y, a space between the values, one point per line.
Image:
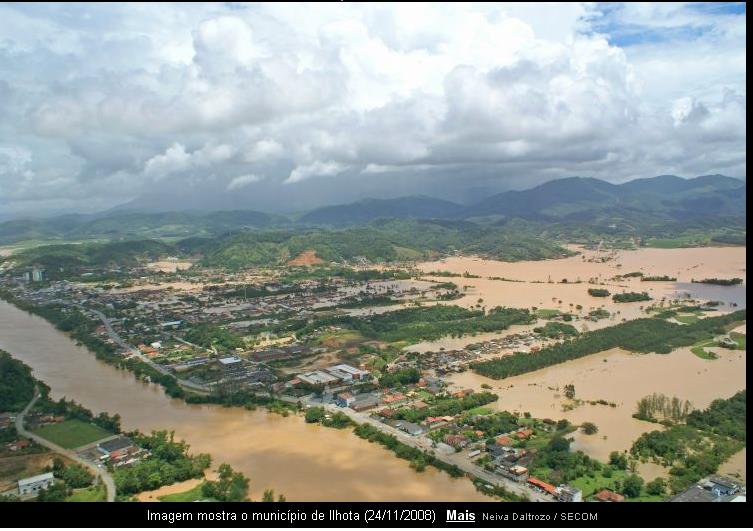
x=639 y=335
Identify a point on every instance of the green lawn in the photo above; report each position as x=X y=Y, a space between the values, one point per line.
x=90 y=494
x=687 y=319
x=545 y=313
x=738 y=338
x=187 y=496
x=678 y=242
x=699 y=349
x=424 y=395
x=72 y=433
x=592 y=485
x=481 y=410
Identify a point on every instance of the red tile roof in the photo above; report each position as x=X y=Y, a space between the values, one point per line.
x=543 y=485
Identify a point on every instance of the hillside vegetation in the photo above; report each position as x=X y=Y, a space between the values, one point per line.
x=382 y=241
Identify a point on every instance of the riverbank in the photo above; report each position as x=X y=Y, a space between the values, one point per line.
x=302 y=461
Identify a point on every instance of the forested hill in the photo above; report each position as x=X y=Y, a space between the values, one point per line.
x=368 y=210
x=137 y=225
x=662 y=198
x=712 y=200
x=381 y=241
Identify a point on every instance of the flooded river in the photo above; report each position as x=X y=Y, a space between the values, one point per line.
x=299 y=460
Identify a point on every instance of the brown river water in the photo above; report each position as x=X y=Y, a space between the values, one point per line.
x=301 y=461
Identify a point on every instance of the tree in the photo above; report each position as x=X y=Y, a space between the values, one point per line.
x=559 y=444
x=656 y=487
x=56 y=492
x=618 y=460
x=77 y=476
x=632 y=485
x=231 y=486
x=589 y=428
x=58 y=467
x=570 y=391
x=315 y=414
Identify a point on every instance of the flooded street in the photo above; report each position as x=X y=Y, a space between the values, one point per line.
x=299 y=460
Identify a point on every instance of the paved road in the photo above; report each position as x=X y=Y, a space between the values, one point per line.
x=101 y=473
x=425 y=444
x=136 y=352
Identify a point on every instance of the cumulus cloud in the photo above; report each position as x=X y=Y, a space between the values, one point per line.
x=243 y=180
x=315 y=169
x=101 y=103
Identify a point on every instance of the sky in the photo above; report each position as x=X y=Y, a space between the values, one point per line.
x=285 y=107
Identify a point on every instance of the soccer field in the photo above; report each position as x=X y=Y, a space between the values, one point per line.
x=72 y=433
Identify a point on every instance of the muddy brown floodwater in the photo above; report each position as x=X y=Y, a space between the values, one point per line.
x=615 y=376
x=621 y=378
x=532 y=285
x=299 y=460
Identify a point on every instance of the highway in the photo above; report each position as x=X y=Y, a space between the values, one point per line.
x=101 y=473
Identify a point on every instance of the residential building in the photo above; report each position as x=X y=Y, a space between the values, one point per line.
x=410 y=428
x=230 y=362
x=345 y=399
x=543 y=486
x=364 y=402
x=606 y=495
x=7 y=419
x=516 y=473
x=566 y=493
x=34 y=484
x=456 y=441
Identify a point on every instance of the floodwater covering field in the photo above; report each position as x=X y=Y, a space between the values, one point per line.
x=616 y=376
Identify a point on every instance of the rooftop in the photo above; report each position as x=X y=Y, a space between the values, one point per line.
x=115 y=444
x=47 y=476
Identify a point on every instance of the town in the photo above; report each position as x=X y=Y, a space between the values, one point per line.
x=322 y=343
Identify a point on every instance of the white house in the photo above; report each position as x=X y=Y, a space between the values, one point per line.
x=35 y=484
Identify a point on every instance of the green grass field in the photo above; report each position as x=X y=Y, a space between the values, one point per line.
x=90 y=494
x=190 y=495
x=544 y=313
x=699 y=349
x=481 y=410
x=72 y=433
x=687 y=319
x=738 y=338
